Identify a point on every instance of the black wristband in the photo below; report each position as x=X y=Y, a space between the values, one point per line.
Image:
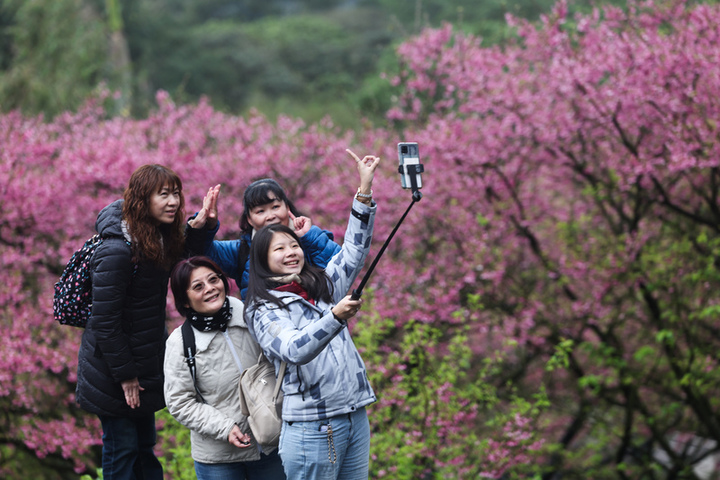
x=363 y=217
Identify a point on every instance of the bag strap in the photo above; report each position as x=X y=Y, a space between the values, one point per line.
x=189 y=350
x=278 y=383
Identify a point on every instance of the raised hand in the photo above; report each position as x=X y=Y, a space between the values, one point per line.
x=301 y=225
x=208 y=214
x=366 y=168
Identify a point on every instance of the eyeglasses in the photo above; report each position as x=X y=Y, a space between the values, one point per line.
x=212 y=280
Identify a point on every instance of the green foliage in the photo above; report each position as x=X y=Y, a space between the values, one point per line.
x=486 y=19
x=293 y=64
x=561 y=357
x=114 y=15
x=374 y=97
x=670 y=352
x=174 y=442
x=280 y=57
x=266 y=54
x=205 y=60
x=19 y=463
x=428 y=382
x=57 y=55
x=312 y=47
x=407 y=419
x=246 y=11
x=98 y=475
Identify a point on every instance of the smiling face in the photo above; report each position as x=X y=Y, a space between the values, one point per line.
x=285 y=255
x=206 y=293
x=164 y=204
x=275 y=211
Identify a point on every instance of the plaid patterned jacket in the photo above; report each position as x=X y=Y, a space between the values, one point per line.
x=325 y=375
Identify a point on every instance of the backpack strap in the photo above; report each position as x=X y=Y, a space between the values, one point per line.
x=127 y=242
x=189 y=350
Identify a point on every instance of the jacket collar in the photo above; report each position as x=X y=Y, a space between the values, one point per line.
x=203 y=339
x=288 y=298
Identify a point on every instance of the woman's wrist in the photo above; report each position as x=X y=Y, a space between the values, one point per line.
x=365 y=188
x=198 y=222
x=364 y=196
x=193 y=223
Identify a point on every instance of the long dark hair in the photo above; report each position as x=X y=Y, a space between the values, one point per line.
x=258 y=193
x=314 y=280
x=180 y=280
x=161 y=244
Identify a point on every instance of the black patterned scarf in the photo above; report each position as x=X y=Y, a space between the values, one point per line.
x=208 y=323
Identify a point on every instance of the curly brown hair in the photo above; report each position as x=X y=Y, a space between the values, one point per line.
x=162 y=244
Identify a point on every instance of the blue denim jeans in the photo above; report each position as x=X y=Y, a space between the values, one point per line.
x=309 y=450
x=269 y=467
x=127 y=452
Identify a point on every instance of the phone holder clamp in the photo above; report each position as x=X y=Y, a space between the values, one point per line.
x=413 y=171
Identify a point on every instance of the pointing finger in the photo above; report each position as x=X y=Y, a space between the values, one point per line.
x=357 y=159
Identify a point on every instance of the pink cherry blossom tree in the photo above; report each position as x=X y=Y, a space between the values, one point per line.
x=56 y=176
x=547 y=309
x=574 y=223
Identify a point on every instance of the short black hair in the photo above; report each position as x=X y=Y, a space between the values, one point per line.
x=258 y=193
x=180 y=279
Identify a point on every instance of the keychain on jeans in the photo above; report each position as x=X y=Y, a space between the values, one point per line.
x=332 y=455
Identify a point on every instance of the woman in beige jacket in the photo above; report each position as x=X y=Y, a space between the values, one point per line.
x=222 y=444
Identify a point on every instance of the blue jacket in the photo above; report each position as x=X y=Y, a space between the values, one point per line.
x=325 y=376
x=317 y=244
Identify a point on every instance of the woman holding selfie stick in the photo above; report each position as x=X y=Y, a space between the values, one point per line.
x=298 y=313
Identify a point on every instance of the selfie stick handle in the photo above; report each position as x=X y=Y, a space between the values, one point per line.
x=356 y=293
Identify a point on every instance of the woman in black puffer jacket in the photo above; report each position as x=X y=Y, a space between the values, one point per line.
x=120 y=362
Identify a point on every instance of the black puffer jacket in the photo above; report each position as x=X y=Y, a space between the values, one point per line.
x=125 y=336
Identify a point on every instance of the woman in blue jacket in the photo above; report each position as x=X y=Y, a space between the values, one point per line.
x=264 y=203
x=298 y=313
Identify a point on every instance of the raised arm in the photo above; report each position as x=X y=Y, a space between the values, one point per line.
x=357 y=240
x=200 y=236
x=366 y=169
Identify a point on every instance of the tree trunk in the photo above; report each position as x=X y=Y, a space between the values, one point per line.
x=120 y=74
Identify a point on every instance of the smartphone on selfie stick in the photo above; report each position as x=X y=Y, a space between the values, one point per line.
x=410 y=170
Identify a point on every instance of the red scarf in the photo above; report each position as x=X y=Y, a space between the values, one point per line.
x=294 y=287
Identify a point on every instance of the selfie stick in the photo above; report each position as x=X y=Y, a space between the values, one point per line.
x=413 y=170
